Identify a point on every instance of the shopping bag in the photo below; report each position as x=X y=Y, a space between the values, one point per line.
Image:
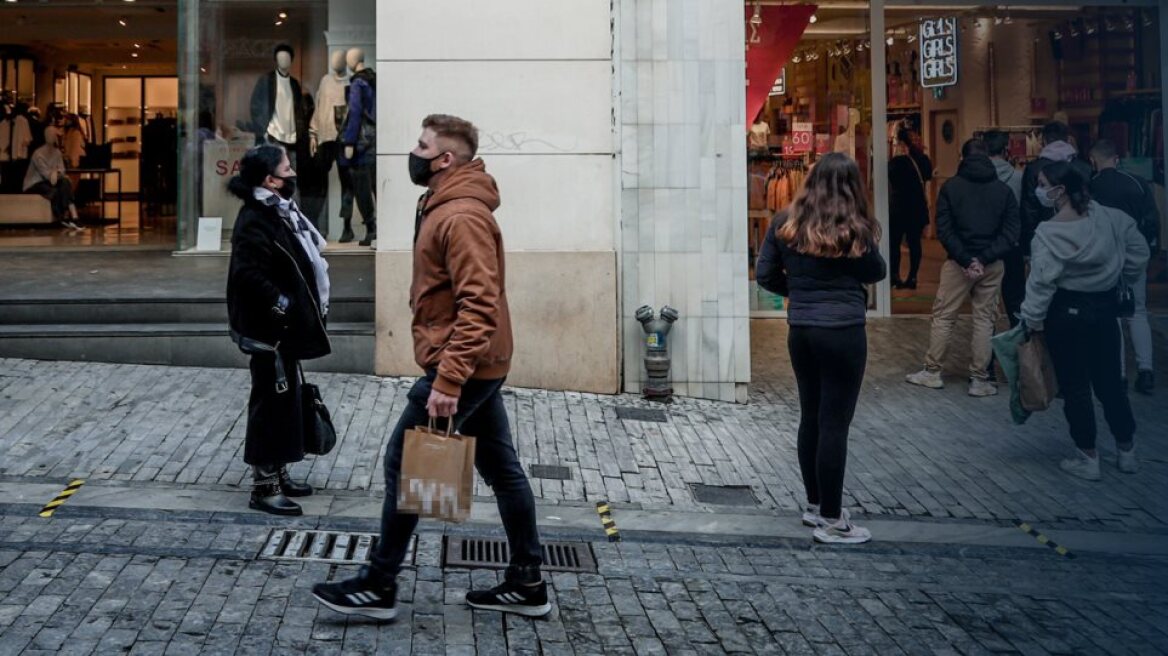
x=1036 y=382
x=437 y=474
x=1006 y=349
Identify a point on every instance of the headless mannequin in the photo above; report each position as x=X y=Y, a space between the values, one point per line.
x=358 y=153
x=324 y=148
x=355 y=59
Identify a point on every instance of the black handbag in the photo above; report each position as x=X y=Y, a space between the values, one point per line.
x=320 y=436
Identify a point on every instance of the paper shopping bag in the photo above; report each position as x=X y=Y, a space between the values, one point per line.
x=1036 y=381
x=437 y=474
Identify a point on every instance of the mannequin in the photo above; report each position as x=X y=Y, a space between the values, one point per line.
x=277 y=105
x=324 y=130
x=759 y=135
x=358 y=136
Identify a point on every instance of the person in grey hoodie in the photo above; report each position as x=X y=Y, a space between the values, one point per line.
x=1078 y=260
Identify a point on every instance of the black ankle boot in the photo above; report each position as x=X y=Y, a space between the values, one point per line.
x=291 y=488
x=370 y=235
x=267 y=495
x=347 y=233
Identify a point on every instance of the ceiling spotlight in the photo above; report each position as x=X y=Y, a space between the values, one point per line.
x=912 y=38
x=137 y=46
x=122 y=22
x=1058 y=35
x=1008 y=20
x=891 y=40
x=814 y=19
x=202 y=69
x=279 y=23
x=796 y=59
x=1091 y=28
x=282 y=15
x=998 y=20
x=1147 y=19
x=756 y=19
x=134 y=55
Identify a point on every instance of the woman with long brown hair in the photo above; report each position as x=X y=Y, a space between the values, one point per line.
x=820 y=254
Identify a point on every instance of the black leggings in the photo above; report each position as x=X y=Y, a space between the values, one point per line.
x=829 y=368
x=1086 y=350
x=896 y=235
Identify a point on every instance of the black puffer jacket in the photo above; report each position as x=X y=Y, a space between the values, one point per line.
x=826 y=292
x=977 y=215
x=267 y=262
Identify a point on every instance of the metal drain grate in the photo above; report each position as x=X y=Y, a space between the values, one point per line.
x=325 y=546
x=640 y=414
x=552 y=472
x=494 y=553
x=724 y=495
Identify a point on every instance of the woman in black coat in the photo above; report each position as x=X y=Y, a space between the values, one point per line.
x=908 y=207
x=277 y=303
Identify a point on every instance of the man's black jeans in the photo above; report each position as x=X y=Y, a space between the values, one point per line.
x=481 y=415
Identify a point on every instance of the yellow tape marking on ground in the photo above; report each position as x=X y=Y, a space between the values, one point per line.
x=61 y=498
x=607 y=521
x=1043 y=539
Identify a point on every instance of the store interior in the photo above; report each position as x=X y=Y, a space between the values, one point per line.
x=104 y=76
x=1097 y=69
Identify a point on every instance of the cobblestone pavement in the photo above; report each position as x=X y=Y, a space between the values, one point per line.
x=82 y=585
x=914 y=453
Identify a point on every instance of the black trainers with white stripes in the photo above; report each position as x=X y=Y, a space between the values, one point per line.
x=359 y=596
x=512 y=597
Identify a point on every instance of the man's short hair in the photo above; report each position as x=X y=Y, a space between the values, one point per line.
x=283 y=47
x=996 y=142
x=1055 y=131
x=459 y=130
x=974 y=147
x=1105 y=150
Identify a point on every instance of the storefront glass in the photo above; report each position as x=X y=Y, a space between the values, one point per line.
x=809 y=92
x=269 y=73
x=1095 y=69
x=100 y=81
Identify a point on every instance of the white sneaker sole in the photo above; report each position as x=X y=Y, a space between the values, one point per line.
x=526 y=611
x=375 y=613
x=927 y=385
x=824 y=537
x=811 y=522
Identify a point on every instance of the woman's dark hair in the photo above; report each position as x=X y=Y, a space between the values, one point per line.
x=830 y=216
x=256 y=165
x=1063 y=174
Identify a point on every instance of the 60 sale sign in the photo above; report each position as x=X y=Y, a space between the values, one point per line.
x=802 y=138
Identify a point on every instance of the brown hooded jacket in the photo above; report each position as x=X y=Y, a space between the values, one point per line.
x=462 y=326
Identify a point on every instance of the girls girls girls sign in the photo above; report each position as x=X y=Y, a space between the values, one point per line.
x=938 y=52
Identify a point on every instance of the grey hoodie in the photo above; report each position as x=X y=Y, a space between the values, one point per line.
x=1083 y=255
x=1010 y=175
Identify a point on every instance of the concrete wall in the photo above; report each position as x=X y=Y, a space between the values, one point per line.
x=536 y=77
x=682 y=76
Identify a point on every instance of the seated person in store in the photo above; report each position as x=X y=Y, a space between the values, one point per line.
x=46 y=177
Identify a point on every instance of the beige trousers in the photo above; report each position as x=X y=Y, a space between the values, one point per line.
x=951 y=294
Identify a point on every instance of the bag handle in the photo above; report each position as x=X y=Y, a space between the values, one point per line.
x=432 y=425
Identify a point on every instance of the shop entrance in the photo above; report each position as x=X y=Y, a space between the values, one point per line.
x=100 y=82
x=1096 y=70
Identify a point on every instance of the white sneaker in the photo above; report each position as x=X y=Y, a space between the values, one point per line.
x=811 y=518
x=1082 y=466
x=1126 y=461
x=843 y=531
x=982 y=388
x=925 y=378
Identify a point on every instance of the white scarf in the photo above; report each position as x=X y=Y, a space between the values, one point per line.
x=310 y=240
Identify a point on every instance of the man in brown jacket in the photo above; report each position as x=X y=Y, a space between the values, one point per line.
x=462 y=340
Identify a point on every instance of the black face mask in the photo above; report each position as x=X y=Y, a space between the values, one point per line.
x=420 y=172
x=289 y=188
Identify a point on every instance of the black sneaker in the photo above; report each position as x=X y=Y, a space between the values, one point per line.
x=511 y=597
x=359 y=596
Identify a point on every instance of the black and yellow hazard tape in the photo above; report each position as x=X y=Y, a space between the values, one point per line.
x=607 y=521
x=1043 y=539
x=61 y=498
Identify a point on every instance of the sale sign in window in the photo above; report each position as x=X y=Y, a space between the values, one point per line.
x=938 y=38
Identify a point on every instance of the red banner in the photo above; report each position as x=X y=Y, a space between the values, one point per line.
x=779 y=33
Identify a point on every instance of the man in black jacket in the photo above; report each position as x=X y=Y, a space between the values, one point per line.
x=1132 y=195
x=977 y=222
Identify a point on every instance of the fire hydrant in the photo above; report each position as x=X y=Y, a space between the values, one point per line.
x=657 y=352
